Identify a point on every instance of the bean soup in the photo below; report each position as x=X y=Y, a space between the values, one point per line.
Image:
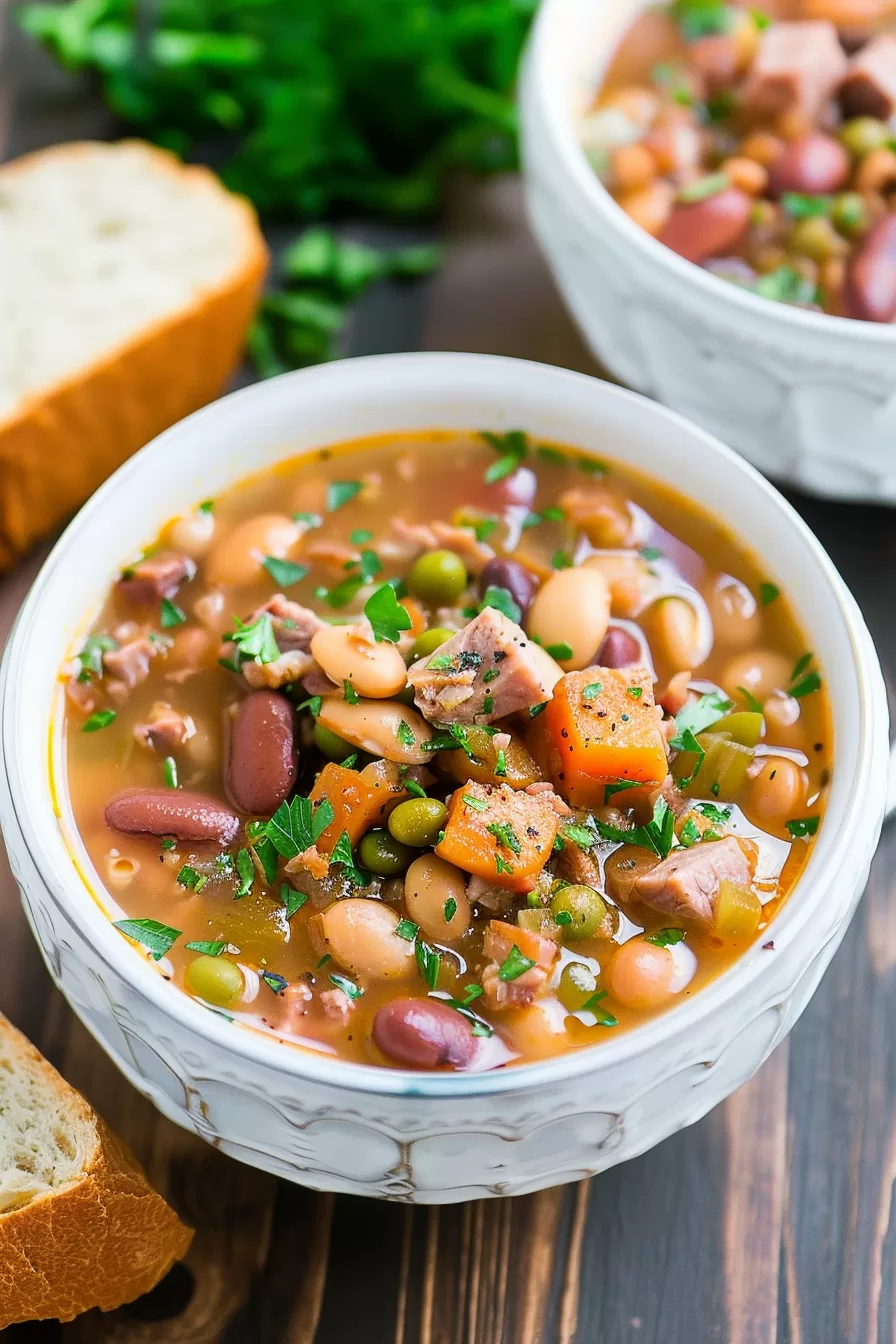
x=761 y=144
x=445 y=750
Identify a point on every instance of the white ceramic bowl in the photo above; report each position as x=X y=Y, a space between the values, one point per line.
x=404 y=1135
x=808 y=398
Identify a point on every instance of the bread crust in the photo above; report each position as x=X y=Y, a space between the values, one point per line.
x=60 y=445
x=100 y=1241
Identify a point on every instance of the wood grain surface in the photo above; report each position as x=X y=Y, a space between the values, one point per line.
x=770 y=1222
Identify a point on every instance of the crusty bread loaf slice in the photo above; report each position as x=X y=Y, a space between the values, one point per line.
x=127 y=283
x=79 y=1225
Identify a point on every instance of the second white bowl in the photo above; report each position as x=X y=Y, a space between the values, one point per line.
x=807 y=397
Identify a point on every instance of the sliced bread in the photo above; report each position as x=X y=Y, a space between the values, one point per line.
x=79 y=1225
x=127 y=283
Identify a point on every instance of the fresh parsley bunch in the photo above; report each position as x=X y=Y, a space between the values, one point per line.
x=310 y=106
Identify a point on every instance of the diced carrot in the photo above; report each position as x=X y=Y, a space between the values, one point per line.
x=501 y=937
x=416 y=613
x=499 y=834
x=603 y=726
x=359 y=801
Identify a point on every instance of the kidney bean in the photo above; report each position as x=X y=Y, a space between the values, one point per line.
x=422 y=1033
x=261 y=758
x=520 y=582
x=186 y=816
x=814 y=165
x=870 y=290
x=619 y=649
x=705 y=228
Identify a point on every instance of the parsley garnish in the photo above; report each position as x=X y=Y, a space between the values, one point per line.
x=559 y=651
x=801 y=206
x=505 y=835
x=386 y=614
x=535 y=710
x=751 y=701
x=188 y=877
x=168 y=843
x=312 y=704
x=309 y=520
x=579 y=835
x=634 y=691
x=650 y=553
x=500 y=761
x=563 y=917
x=91 y=655
x=429 y=962
x=292 y=899
x=665 y=937
x=551 y=455
x=157 y=938
x=256 y=640
x=284 y=572
x=702 y=713
x=360 y=536
x=514 y=965
x=349 y=693
x=407 y=929
x=462 y=1006
x=561 y=560
x=767 y=593
x=246 y=869
x=478 y=804
x=502 y=600
x=718 y=815
x=686 y=741
x=347 y=986
x=340 y=492
x=492 y=674
x=276 y=983
x=263 y=849
x=802 y=826
x=169 y=770
x=502 y=866
x=170 y=614
x=810 y=682
x=210 y=949
x=296 y=826
x=449 y=909
x=412 y=787
x=619 y=787
x=657 y=835
x=512 y=447
x=101 y=719
x=602 y=1017
x=689 y=833
x=405 y=733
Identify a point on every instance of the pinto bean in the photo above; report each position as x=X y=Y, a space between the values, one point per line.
x=870 y=290
x=520 y=582
x=815 y=165
x=360 y=934
x=429 y=884
x=708 y=227
x=619 y=649
x=261 y=759
x=423 y=1033
x=186 y=816
x=572 y=607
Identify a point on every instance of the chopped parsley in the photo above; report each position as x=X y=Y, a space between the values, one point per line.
x=169 y=770
x=702 y=713
x=157 y=938
x=309 y=520
x=284 y=572
x=292 y=899
x=256 y=640
x=514 y=965
x=561 y=560
x=342 y=594
x=472 y=992
x=207 y=506
x=440 y=662
x=349 y=693
x=502 y=866
x=407 y=929
x=169 y=843
x=429 y=962
x=551 y=455
x=579 y=835
x=386 y=614
x=246 y=870
x=650 y=553
x=449 y=909
x=405 y=733
x=348 y=987
x=296 y=825
x=502 y=600
x=91 y=655
x=656 y=835
x=170 y=614
x=601 y=1016
x=751 y=702
x=101 y=719
x=799 y=827
x=559 y=651
x=563 y=917
x=505 y=835
x=500 y=763
x=312 y=704
x=665 y=937
x=512 y=448
x=717 y=815
x=767 y=593
x=810 y=682
x=211 y=949
x=413 y=788
x=360 y=536
x=263 y=849
x=340 y=492
x=689 y=833
x=634 y=691
x=492 y=674
x=478 y=804
x=801 y=206
x=188 y=877
x=684 y=740
x=276 y=983
x=535 y=710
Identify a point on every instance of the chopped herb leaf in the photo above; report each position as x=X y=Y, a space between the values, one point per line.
x=256 y=640
x=657 y=835
x=592 y=466
x=208 y=949
x=168 y=843
x=361 y=536
x=551 y=455
x=276 y=983
x=501 y=764
x=714 y=788
x=620 y=786
x=91 y=655
x=405 y=734
x=350 y=761
x=170 y=614
x=188 y=877
x=502 y=600
x=703 y=187
x=483 y=527
x=292 y=899
x=665 y=937
x=312 y=704
x=349 y=693
x=479 y=1026
x=207 y=506
x=561 y=560
x=284 y=572
x=370 y=566
x=502 y=866
x=801 y=665
x=559 y=651
x=414 y=788
x=407 y=929
x=707 y=710
x=429 y=962
x=650 y=553
x=478 y=804
x=347 y=986
x=101 y=719
x=811 y=682
x=343 y=593
x=386 y=614
x=342 y=851
x=563 y=917
x=512 y=447
x=246 y=869
x=492 y=674
x=169 y=770
x=440 y=662
x=505 y=835
x=689 y=833
x=686 y=741
x=295 y=826
x=718 y=815
x=579 y=835
x=535 y=710
x=323 y=960
x=340 y=492
x=751 y=702
x=157 y=938
x=602 y=1017
x=309 y=520
x=802 y=826
x=514 y=965
x=767 y=593
x=449 y=909
x=800 y=206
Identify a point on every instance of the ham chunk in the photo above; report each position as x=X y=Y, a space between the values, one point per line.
x=488 y=670
x=155 y=577
x=128 y=666
x=463 y=541
x=869 y=86
x=164 y=729
x=686 y=883
x=294 y=627
x=523 y=989
x=797 y=66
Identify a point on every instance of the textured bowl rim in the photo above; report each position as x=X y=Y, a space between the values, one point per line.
x=551 y=97
x=859 y=820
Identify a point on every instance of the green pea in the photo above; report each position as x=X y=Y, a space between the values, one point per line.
x=815 y=237
x=216 y=980
x=382 y=854
x=438 y=578
x=429 y=641
x=332 y=746
x=418 y=821
x=849 y=214
x=581 y=912
x=577 y=983
x=862 y=134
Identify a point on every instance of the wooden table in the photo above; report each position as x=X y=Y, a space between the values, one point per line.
x=770 y=1222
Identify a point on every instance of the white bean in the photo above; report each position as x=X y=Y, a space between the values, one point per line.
x=628 y=578
x=572 y=607
x=677 y=633
x=374 y=726
x=349 y=653
x=735 y=614
x=238 y=558
x=360 y=934
x=429 y=883
x=777 y=792
x=760 y=671
x=193 y=532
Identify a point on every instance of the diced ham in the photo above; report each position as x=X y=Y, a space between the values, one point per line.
x=293 y=1004
x=486 y=894
x=293 y=627
x=128 y=666
x=686 y=883
x=869 y=86
x=408 y=541
x=457 y=684
x=542 y=787
x=499 y=941
x=165 y=728
x=155 y=577
x=332 y=555
x=578 y=866
x=81 y=693
x=519 y=993
x=797 y=67
x=462 y=540
x=288 y=668
x=316 y=681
